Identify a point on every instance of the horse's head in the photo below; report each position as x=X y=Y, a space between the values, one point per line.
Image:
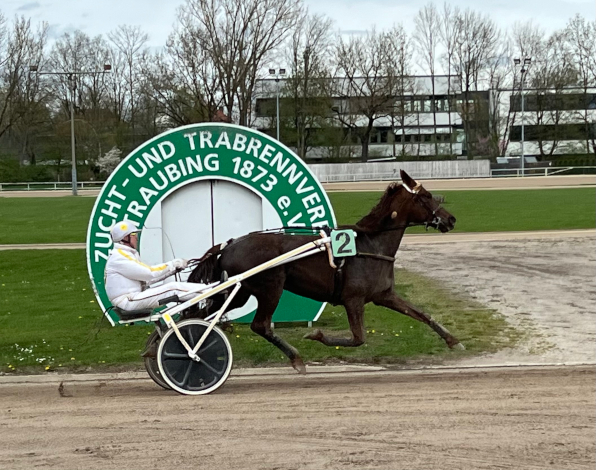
x=422 y=208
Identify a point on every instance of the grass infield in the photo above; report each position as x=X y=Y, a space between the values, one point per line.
x=50 y=321
x=494 y=211
x=64 y=220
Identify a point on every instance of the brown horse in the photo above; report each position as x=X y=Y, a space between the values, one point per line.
x=366 y=277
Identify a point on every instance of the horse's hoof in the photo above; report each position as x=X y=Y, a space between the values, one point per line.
x=299 y=366
x=315 y=335
x=458 y=346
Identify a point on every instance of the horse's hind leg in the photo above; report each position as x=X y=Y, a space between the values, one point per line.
x=355 y=311
x=261 y=325
x=391 y=300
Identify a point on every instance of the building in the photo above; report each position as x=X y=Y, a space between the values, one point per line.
x=556 y=122
x=414 y=117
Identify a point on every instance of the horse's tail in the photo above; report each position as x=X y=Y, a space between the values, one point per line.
x=205 y=272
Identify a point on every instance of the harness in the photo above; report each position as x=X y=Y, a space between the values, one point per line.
x=338 y=263
x=436 y=220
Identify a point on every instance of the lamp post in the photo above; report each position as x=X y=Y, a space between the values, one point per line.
x=277 y=74
x=71 y=76
x=524 y=69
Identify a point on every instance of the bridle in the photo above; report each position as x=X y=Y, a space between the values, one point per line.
x=436 y=220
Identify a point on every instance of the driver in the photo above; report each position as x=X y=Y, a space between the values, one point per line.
x=128 y=281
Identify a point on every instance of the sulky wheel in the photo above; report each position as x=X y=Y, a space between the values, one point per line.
x=203 y=374
x=151 y=365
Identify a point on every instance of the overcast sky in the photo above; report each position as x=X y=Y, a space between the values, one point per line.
x=156 y=17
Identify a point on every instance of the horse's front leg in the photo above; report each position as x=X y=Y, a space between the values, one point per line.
x=355 y=311
x=261 y=324
x=391 y=300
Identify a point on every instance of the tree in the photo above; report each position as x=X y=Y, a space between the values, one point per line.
x=525 y=40
x=128 y=53
x=448 y=33
x=239 y=38
x=402 y=113
x=475 y=47
x=108 y=162
x=305 y=89
x=580 y=36
x=427 y=24
x=20 y=48
x=552 y=72
x=181 y=80
x=364 y=82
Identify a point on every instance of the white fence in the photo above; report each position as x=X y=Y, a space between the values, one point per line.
x=380 y=171
x=362 y=172
x=50 y=186
x=545 y=171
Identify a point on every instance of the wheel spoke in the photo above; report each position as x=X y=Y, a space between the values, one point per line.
x=214 y=371
x=187 y=374
x=169 y=355
x=191 y=340
x=207 y=346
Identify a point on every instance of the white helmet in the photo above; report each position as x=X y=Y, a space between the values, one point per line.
x=122 y=229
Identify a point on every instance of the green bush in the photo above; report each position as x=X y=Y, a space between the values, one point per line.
x=11 y=171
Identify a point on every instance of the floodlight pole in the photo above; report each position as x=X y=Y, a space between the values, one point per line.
x=277 y=73
x=71 y=86
x=526 y=63
x=72 y=136
x=522 y=126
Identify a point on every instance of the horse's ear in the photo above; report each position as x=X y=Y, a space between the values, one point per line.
x=407 y=180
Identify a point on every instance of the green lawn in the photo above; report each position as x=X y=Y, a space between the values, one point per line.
x=44 y=220
x=56 y=220
x=50 y=321
x=494 y=211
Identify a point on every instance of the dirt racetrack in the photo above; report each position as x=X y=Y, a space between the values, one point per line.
x=542 y=282
x=509 y=418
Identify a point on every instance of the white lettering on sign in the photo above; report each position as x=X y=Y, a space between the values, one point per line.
x=110 y=212
x=248 y=170
x=284 y=202
x=191 y=141
x=166 y=153
x=280 y=162
x=253 y=146
x=99 y=254
x=223 y=140
x=114 y=192
x=239 y=143
x=311 y=200
x=206 y=139
x=294 y=221
x=212 y=162
x=147 y=194
x=136 y=209
x=267 y=152
x=147 y=160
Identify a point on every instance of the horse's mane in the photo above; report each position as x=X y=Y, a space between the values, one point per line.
x=375 y=218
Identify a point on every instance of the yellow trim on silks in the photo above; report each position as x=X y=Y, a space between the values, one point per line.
x=152 y=268
x=123 y=227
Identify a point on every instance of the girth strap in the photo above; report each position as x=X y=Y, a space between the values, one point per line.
x=374 y=255
x=338 y=281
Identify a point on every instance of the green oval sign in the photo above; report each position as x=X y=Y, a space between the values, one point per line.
x=200 y=152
